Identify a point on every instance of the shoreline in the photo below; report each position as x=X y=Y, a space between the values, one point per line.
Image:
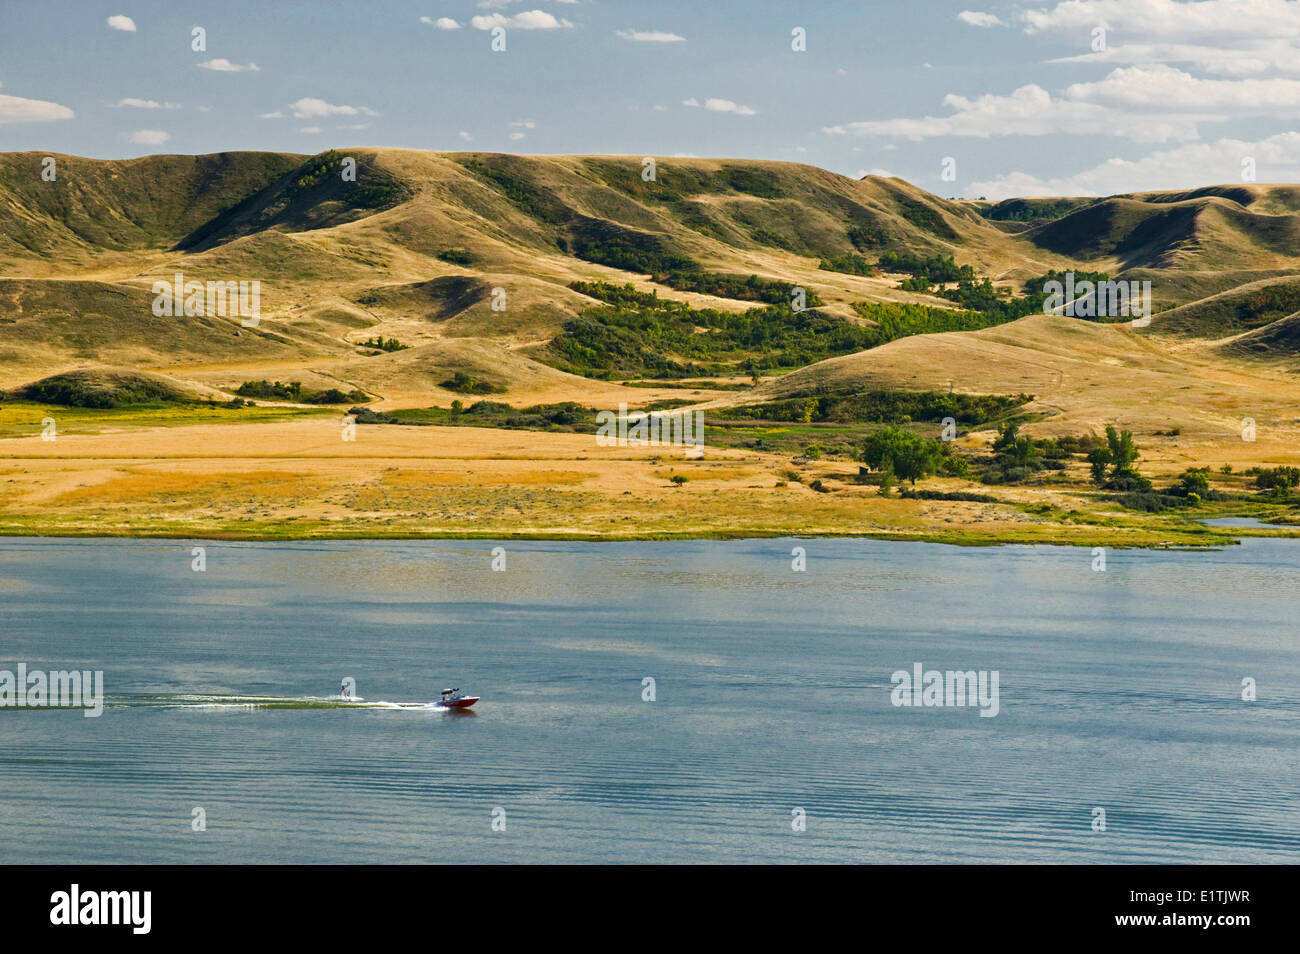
x=1217 y=540
x=294 y=479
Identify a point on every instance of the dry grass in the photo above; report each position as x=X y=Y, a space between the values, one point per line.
x=298 y=478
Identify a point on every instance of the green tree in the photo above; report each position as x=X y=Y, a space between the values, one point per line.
x=1123 y=452
x=907 y=455
x=886 y=480
x=1195 y=481
x=1099 y=458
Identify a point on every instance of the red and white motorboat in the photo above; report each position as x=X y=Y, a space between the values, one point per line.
x=452 y=699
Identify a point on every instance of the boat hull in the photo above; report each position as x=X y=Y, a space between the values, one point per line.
x=464 y=703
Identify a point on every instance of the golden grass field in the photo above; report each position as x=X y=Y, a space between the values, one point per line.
x=299 y=478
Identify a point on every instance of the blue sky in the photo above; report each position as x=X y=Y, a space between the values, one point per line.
x=1016 y=94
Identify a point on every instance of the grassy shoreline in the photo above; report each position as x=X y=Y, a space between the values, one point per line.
x=1200 y=537
x=284 y=474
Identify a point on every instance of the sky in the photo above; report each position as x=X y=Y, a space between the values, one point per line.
x=970 y=99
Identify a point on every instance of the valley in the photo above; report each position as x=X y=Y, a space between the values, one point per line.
x=435 y=340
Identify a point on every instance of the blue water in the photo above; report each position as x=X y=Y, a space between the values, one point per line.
x=1119 y=690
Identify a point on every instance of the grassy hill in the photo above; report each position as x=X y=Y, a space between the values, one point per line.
x=120 y=205
x=415 y=246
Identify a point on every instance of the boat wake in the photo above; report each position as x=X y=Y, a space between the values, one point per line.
x=201 y=701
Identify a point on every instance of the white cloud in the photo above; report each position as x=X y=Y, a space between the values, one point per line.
x=1029 y=111
x=1243 y=55
x=223 y=65
x=1214 y=22
x=516 y=136
x=310 y=107
x=721 y=106
x=977 y=18
x=15 y=109
x=145 y=103
x=149 y=137
x=1146 y=104
x=1230 y=37
x=465 y=136
x=528 y=20
x=524 y=124
x=650 y=36
x=442 y=23
x=119 y=22
x=309 y=129
x=1278 y=55
x=1161 y=87
x=275 y=115
x=1277 y=159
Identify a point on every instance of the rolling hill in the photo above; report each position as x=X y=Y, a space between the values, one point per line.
x=470 y=260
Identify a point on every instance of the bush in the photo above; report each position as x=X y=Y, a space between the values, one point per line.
x=1014 y=475
x=1128 y=483
x=77 y=389
x=463 y=383
x=739 y=287
x=457 y=256
x=335 y=396
x=289 y=391
x=1277 y=478
x=1147 y=501
x=905 y=454
x=911 y=494
x=879 y=406
x=384 y=344
x=850 y=264
x=1195 y=480
x=936 y=268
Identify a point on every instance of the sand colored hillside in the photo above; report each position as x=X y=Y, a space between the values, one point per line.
x=1083 y=376
x=417 y=246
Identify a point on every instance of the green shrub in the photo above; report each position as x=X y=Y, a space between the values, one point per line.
x=463 y=383
x=457 y=256
x=903 y=453
x=850 y=264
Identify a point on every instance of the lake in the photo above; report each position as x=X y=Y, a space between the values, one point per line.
x=773 y=708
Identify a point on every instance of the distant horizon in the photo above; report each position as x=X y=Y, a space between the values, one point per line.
x=1014 y=100
x=662 y=159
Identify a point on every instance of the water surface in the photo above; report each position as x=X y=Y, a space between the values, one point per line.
x=1119 y=690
